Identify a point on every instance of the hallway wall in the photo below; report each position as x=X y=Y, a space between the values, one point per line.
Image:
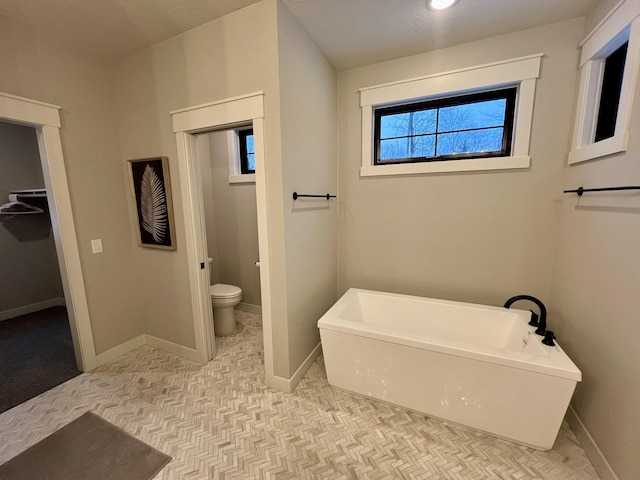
x=230 y=56
x=41 y=68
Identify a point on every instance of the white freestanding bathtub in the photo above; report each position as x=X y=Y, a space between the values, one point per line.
x=475 y=365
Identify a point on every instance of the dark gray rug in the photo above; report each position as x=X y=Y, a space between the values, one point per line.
x=36 y=354
x=87 y=448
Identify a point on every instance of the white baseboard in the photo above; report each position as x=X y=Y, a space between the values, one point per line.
x=121 y=349
x=590 y=447
x=247 y=307
x=171 y=347
x=288 y=385
x=34 y=307
x=145 y=339
x=279 y=383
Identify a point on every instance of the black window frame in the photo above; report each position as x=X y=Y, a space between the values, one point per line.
x=244 y=154
x=610 y=93
x=508 y=93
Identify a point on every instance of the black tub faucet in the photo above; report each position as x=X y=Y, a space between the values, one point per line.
x=542 y=323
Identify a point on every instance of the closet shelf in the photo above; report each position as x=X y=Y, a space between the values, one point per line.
x=30 y=193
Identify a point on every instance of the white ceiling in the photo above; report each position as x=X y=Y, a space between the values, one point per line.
x=349 y=32
x=360 y=32
x=116 y=27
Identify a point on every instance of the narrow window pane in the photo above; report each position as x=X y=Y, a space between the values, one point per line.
x=610 y=93
x=424 y=121
x=423 y=146
x=247 y=158
x=408 y=124
x=392 y=126
x=393 y=149
x=410 y=147
x=473 y=141
x=250 y=144
x=472 y=115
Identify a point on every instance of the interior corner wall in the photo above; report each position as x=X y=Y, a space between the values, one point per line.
x=30 y=273
x=230 y=56
x=594 y=296
x=308 y=113
x=478 y=237
x=40 y=68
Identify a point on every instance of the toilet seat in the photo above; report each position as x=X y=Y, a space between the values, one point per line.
x=222 y=290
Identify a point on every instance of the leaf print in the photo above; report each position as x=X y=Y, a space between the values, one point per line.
x=153 y=205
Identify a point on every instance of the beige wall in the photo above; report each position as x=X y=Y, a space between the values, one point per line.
x=477 y=237
x=30 y=272
x=230 y=56
x=595 y=300
x=231 y=220
x=308 y=112
x=238 y=54
x=39 y=67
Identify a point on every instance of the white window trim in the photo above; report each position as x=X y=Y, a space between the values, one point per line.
x=620 y=24
x=522 y=72
x=235 y=172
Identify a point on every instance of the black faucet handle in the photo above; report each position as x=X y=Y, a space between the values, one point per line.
x=534 y=319
x=548 y=338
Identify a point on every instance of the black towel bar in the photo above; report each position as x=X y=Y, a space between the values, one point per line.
x=581 y=190
x=297 y=195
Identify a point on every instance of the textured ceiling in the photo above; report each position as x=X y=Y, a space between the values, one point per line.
x=349 y=32
x=116 y=27
x=360 y=32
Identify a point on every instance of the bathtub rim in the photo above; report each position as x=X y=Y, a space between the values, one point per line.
x=556 y=363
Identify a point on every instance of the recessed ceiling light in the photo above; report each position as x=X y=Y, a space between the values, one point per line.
x=440 y=4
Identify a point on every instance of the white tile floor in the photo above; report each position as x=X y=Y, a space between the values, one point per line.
x=219 y=421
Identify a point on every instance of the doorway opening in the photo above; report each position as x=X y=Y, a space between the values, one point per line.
x=187 y=124
x=37 y=349
x=230 y=224
x=45 y=120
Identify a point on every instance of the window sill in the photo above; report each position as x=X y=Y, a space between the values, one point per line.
x=615 y=144
x=448 y=166
x=247 y=178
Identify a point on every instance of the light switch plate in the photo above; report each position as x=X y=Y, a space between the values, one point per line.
x=96 y=245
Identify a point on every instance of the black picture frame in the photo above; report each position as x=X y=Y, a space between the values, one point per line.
x=151 y=191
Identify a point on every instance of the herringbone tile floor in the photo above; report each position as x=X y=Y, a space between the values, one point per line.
x=219 y=421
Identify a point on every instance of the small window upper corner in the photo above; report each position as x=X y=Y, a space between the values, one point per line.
x=242 y=162
x=608 y=76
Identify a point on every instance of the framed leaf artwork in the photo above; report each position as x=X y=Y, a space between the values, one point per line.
x=151 y=189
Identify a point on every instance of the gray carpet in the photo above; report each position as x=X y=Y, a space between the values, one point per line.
x=87 y=448
x=36 y=354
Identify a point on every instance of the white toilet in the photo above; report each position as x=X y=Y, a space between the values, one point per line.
x=223 y=299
